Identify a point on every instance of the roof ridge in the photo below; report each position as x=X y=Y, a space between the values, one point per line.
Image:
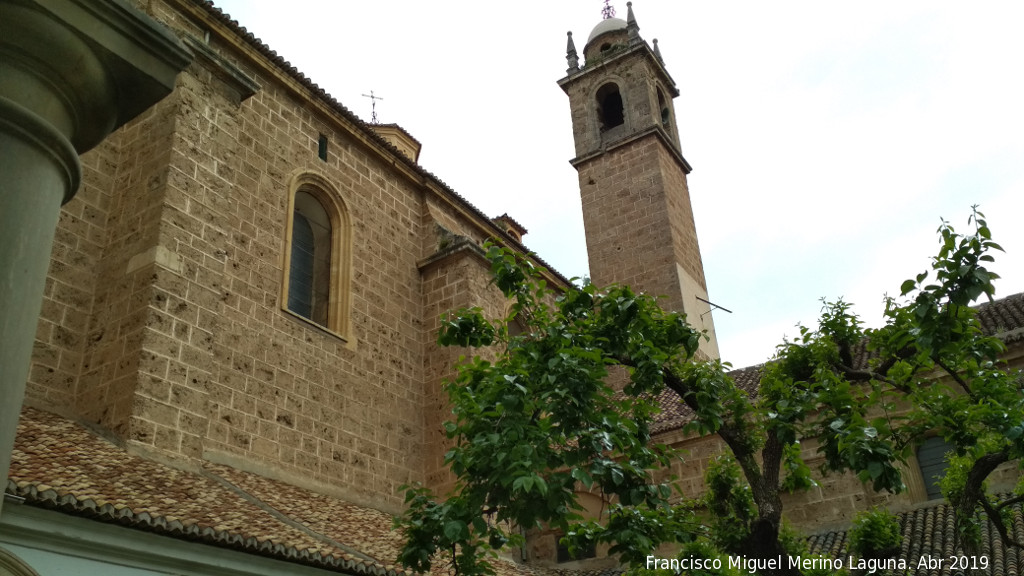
x=49 y=498
x=91 y=502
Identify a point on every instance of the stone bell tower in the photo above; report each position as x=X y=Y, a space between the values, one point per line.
x=636 y=205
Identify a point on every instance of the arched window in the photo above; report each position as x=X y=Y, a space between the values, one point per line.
x=609 y=106
x=931 y=458
x=517 y=326
x=666 y=114
x=309 y=275
x=318 y=254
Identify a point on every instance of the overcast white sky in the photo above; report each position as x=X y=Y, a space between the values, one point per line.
x=827 y=139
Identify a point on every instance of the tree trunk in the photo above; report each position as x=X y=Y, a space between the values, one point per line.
x=966 y=505
x=763 y=546
x=763 y=543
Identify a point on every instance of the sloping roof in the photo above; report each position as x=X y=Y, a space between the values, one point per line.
x=1003 y=318
x=930 y=532
x=60 y=465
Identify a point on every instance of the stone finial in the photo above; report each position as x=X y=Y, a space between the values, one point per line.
x=657 y=53
x=631 y=26
x=571 y=57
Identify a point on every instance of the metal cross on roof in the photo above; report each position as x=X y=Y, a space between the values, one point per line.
x=608 y=11
x=373 y=105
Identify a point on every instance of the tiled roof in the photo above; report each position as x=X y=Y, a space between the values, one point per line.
x=1003 y=318
x=60 y=465
x=930 y=532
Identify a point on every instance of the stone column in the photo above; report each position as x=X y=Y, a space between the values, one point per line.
x=71 y=71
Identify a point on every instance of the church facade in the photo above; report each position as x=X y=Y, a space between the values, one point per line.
x=235 y=366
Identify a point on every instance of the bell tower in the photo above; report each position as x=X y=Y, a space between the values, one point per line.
x=632 y=174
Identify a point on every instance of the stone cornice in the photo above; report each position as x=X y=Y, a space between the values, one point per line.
x=639 y=50
x=274 y=67
x=460 y=248
x=223 y=69
x=653 y=131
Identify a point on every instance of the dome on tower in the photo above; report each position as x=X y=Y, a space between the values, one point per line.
x=609 y=34
x=606 y=25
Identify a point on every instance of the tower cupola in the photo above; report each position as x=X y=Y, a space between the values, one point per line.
x=609 y=35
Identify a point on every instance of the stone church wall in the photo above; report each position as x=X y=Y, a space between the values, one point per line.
x=163 y=320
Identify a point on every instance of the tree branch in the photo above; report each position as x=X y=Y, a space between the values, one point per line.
x=1009 y=502
x=845 y=353
x=771 y=457
x=997 y=520
x=889 y=363
x=902 y=354
x=956 y=378
x=863 y=375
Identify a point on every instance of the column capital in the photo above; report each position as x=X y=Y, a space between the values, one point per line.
x=85 y=66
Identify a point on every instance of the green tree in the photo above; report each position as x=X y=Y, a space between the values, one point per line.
x=546 y=418
x=875 y=534
x=933 y=356
x=543 y=421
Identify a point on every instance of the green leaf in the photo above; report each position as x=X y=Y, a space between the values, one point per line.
x=455 y=530
x=541 y=484
x=517 y=484
x=875 y=469
x=581 y=476
x=523 y=484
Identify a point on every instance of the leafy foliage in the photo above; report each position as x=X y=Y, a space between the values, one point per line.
x=543 y=422
x=731 y=505
x=875 y=534
x=567 y=407
x=978 y=404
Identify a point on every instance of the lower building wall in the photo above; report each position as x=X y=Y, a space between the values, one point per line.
x=51 y=543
